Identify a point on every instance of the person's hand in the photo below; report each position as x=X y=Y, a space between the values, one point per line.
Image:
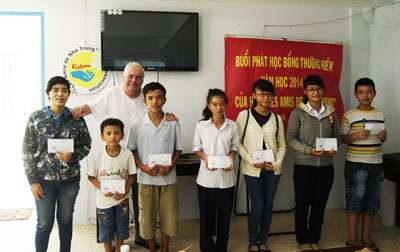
x=317 y=153
x=171 y=117
x=164 y=170
x=329 y=153
x=206 y=166
x=152 y=171
x=231 y=166
x=108 y=194
x=382 y=135
x=259 y=165
x=37 y=191
x=118 y=196
x=269 y=166
x=362 y=134
x=78 y=112
x=63 y=156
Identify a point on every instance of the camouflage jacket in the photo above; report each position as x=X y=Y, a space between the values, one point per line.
x=40 y=127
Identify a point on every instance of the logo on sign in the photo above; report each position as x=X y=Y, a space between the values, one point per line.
x=82 y=69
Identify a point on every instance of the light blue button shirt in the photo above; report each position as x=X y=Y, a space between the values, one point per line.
x=145 y=139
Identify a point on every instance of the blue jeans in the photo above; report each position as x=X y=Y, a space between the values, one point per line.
x=114 y=221
x=262 y=192
x=363 y=186
x=64 y=197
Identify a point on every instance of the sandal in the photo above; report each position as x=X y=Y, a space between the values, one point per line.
x=304 y=247
x=266 y=247
x=370 y=245
x=254 y=245
x=349 y=244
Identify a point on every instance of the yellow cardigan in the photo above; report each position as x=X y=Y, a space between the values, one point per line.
x=253 y=142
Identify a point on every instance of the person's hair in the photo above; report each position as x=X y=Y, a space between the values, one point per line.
x=132 y=64
x=153 y=86
x=262 y=85
x=112 y=122
x=57 y=80
x=312 y=80
x=207 y=114
x=364 y=82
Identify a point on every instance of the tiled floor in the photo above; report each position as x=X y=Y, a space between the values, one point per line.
x=19 y=235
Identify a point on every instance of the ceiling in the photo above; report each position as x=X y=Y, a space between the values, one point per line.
x=333 y=3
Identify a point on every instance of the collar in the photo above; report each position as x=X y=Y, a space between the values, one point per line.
x=365 y=111
x=314 y=112
x=147 y=120
x=58 y=121
x=209 y=122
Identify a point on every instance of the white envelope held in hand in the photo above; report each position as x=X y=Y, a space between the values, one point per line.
x=327 y=144
x=161 y=159
x=374 y=128
x=263 y=156
x=112 y=185
x=64 y=145
x=219 y=162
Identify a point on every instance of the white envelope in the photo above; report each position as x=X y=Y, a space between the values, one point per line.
x=112 y=185
x=327 y=144
x=263 y=156
x=374 y=128
x=218 y=161
x=161 y=159
x=64 y=145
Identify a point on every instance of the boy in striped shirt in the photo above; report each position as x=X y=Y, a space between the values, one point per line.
x=360 y=130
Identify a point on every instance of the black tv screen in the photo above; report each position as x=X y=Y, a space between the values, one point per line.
x=159 y=41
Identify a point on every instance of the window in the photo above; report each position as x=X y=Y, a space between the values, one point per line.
x=22 y=85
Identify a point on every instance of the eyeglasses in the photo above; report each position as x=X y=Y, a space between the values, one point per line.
x=312 y=90
x=138 y=77
x=265 y=95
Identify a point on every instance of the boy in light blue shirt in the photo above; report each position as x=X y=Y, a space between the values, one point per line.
x=152 y=134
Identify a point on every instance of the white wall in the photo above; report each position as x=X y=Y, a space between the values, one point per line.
x=385 y=70
x=69 y=24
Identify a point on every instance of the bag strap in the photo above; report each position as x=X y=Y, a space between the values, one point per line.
x=245 y=126
x=277 y=126
x=238 y=175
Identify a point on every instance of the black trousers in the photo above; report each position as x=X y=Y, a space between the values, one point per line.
x=211 y=201
x=312 y=186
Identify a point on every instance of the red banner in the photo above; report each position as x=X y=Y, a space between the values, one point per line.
x=285 y=64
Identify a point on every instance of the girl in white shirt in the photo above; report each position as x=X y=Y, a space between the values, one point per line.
x=215 y=135
x=261 y=129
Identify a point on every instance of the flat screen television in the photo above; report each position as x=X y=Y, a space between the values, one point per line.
x=159 y=41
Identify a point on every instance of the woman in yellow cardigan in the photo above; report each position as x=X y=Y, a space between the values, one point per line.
x=261 y=130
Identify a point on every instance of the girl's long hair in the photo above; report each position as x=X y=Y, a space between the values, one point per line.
x=207 y=114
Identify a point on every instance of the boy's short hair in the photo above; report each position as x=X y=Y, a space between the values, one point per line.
x=153 y=86
x=364 y=82
x=111 y=122
x=57 y=80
